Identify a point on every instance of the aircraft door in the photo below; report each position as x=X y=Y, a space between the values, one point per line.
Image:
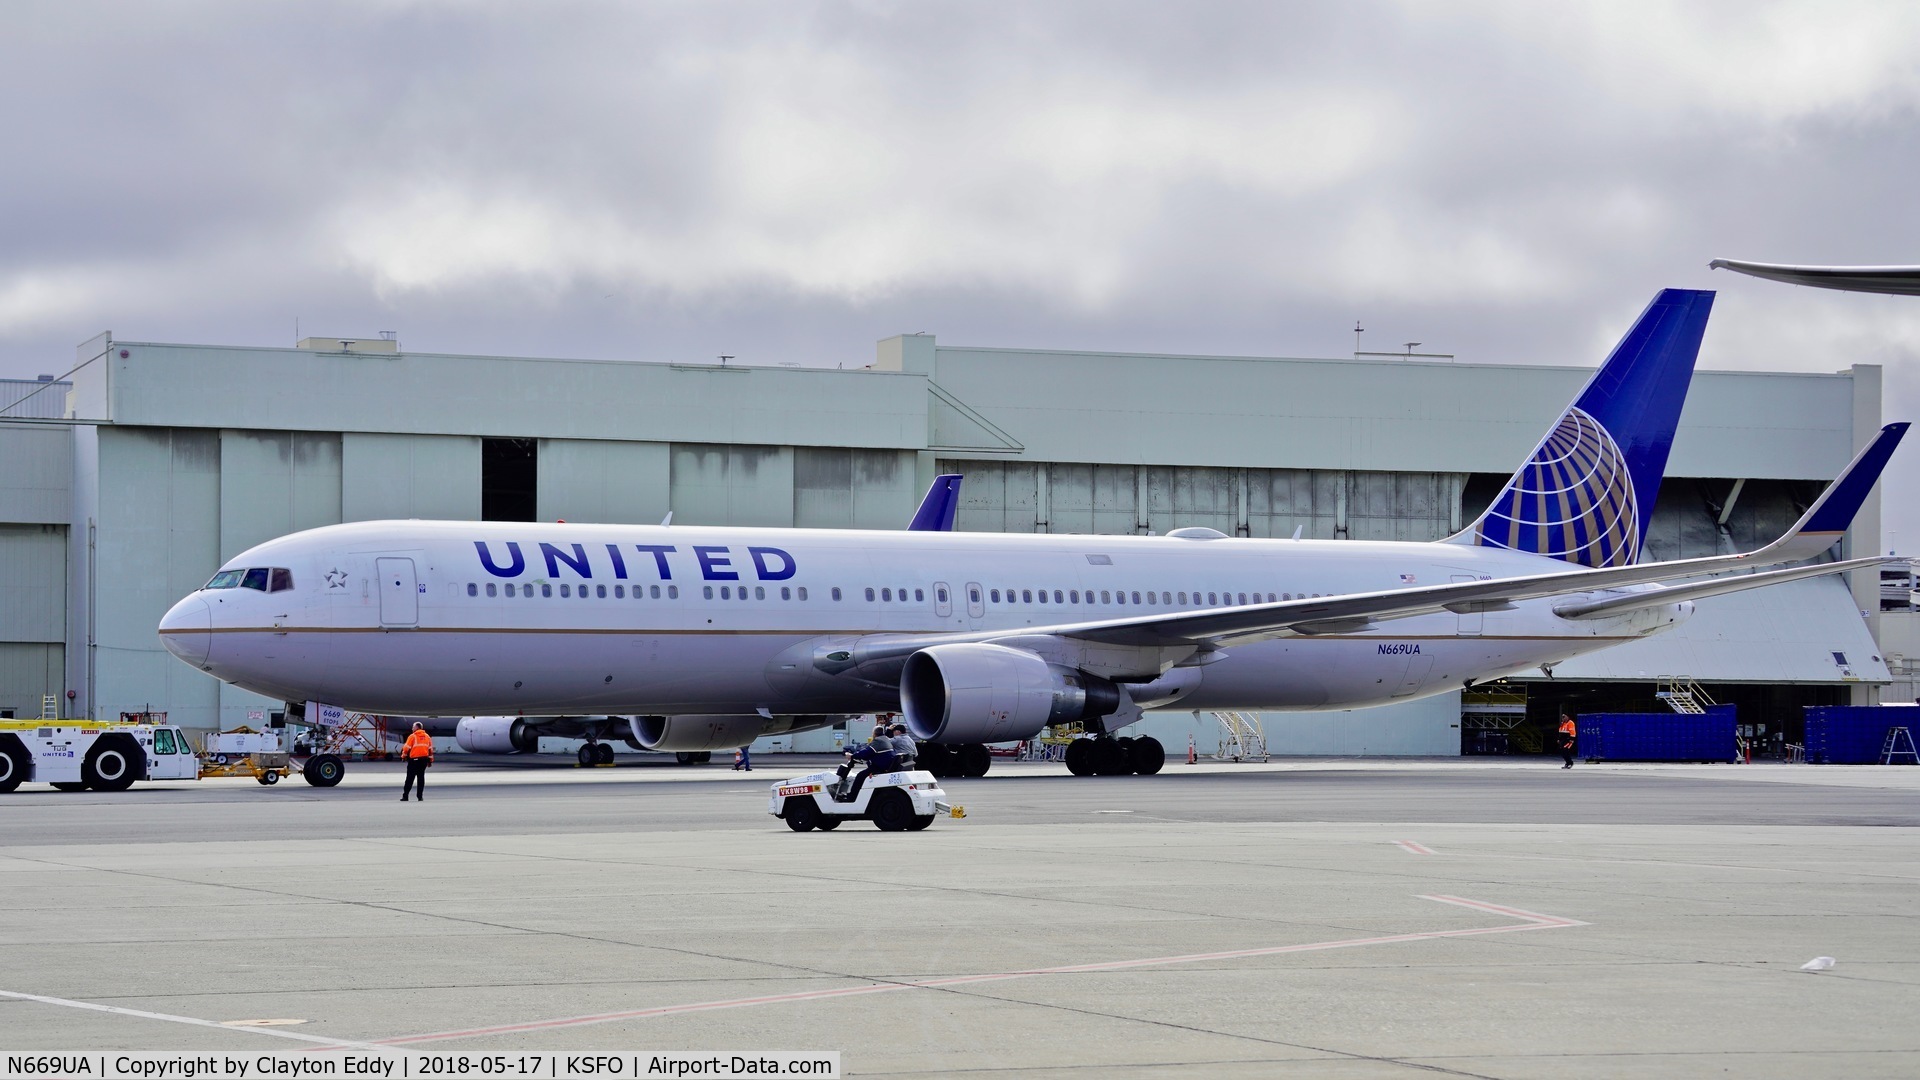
x=399 y=593
x=942 y=600
x=1470 y=621
x=1419 y=666
x=976 y=601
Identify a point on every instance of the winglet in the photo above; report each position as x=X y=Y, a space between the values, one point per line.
x=937 y=509
x=1833 y=511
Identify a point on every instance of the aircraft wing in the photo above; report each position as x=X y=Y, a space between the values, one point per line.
x=1809 y=537
x=1899 y=280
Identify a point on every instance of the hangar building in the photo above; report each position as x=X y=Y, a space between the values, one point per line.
x=126 y=489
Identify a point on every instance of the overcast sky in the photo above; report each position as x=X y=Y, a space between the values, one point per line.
x=788 y=182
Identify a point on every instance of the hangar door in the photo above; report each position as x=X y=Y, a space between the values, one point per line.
x=399 y=593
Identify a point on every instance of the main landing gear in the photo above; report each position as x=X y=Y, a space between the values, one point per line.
x=964 y=759
x=1109 y=756
x=595 y=753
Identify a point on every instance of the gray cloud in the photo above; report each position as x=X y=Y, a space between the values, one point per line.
x=788 y=182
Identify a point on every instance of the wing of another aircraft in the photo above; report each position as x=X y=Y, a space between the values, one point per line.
x=1811 y=536
x=1898 y=280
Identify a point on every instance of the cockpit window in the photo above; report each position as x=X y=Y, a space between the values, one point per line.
x=255 y=578
x=282 y=580
x=226 y=579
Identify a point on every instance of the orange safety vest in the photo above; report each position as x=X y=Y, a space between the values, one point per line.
x=419 y=744
x=1566 y=728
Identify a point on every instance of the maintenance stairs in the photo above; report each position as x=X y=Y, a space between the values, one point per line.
x=1241 y=738
x=1896 y=738
x=1682 y=694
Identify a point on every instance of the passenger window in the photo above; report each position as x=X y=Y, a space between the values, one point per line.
x=255 y=579
x=566 y=590
x=1057 y=598
x=1106 y=597
x=1269 y=598
x=1073 y=595
x=282 y=580
x=786 y=593
x=1136 y=598
x=492 y=589
x=994 y=595
x=225 y=579
x=509 y=588
x=759 y=592
x=472 y=589
x=803 y=593
x=583 y=592
x=546 y=590
x=619 y=592
x=654 y=592
x=940 y=596
x=673 y=592
x=1043 y=596
x=1183 y=598
x=1213 y=598
x=836 y=592
x=869 y=594
x=706 y=592
x=1026 y=596
x=600 y=591
x=920 y=596
x=886 y=595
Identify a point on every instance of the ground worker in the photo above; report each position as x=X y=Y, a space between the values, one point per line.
x=417 y=752
x=1569 y=738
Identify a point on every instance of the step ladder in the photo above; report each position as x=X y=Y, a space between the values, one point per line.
x=1241 y=738
x=1898 y=737
x=1682 y=694
x=49 y=707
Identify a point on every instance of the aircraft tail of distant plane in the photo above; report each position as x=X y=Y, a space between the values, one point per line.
x=1585 y=495
x=938 y=507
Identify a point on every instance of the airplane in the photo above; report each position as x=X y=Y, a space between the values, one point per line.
x=709 y=637
x=1895 y=280
x=522 y=734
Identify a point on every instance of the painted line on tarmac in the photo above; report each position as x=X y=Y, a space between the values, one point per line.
x=1413 y=847
x=1529 y=920
x=194 y=1021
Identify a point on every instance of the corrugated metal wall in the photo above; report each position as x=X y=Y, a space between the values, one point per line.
x=33 y=625
x=1018 y=496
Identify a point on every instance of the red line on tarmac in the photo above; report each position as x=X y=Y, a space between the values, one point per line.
x=1413 y=847
x=1529 y=921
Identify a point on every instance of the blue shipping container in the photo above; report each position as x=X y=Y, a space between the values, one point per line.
x=1708 y=736
x=1854 y=734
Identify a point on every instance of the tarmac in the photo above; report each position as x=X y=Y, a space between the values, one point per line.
x=1346 y=918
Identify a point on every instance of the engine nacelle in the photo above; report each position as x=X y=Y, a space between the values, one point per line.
x=991 y=693
x=495 y=735
x=694 y=732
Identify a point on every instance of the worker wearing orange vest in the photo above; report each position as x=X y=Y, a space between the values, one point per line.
x=1569 y=738
x=417 y=751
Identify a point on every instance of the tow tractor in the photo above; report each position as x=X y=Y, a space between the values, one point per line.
x=895 y=801
x=75 y=755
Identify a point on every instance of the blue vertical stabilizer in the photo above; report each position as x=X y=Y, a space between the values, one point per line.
x=937 y=509
x=1586 y=493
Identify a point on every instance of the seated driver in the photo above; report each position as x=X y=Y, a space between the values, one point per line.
x=877 y=755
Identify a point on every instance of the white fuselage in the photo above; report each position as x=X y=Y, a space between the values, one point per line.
x=408 y=617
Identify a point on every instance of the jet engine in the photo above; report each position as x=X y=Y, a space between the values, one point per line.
x=496 y=735
x=991 y=693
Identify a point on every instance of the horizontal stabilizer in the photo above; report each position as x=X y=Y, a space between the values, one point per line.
x=1832 y=513
x=1898 y=280
x=1673 y=594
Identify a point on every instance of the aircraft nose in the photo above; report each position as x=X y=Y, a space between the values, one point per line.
x=187 y=630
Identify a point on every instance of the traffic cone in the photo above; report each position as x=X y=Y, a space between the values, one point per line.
x=1192 y=758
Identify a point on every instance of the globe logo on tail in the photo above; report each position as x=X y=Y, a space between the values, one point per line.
x=1573 y=500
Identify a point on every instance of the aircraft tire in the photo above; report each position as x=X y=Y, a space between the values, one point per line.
x=802 y=814
x=937 y=759
x=114 y=764
x=920 y=821
x=828 y=822
x=1148 y=755
x=70 y=785
x=13 y=762
x=891 y=810
x=1107 y=758
x=1079 y=752
x=587 y=756
x=603 y=754
x=324 y=770
x=974 y=760
x=702 y=757
x=1125 y=742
